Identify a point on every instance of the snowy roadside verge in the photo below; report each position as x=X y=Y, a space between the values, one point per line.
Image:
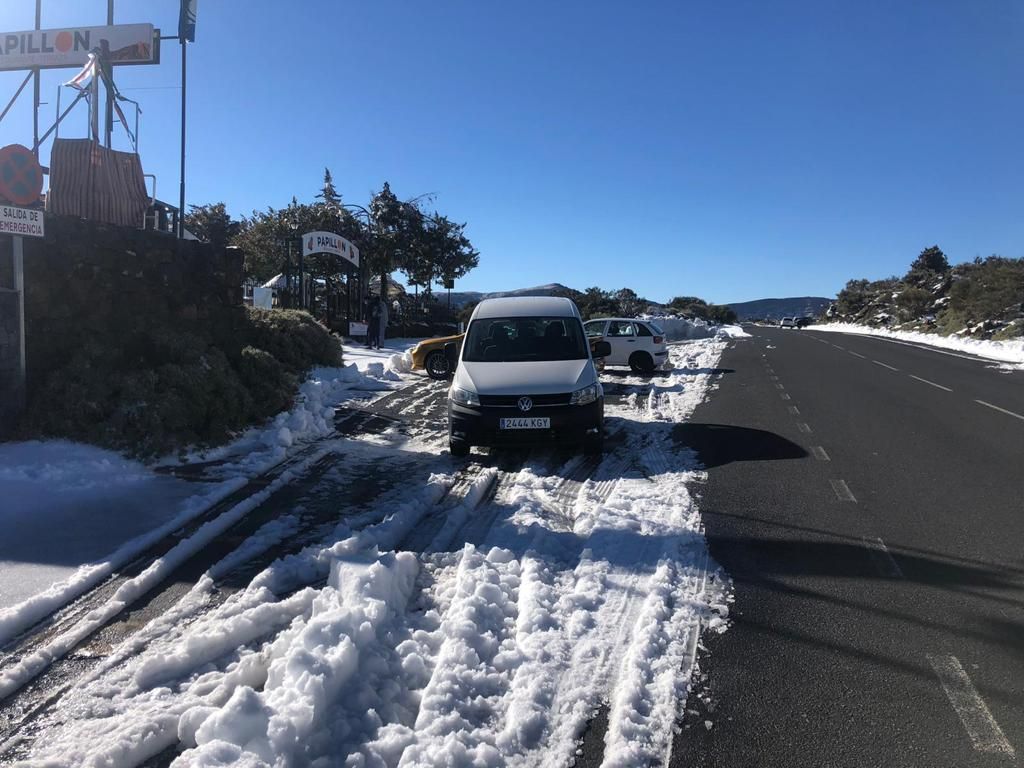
x=686 y=329
x=1000 y=351
x=98 y=494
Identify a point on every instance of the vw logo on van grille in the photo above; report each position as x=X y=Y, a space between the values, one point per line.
x=525 y=404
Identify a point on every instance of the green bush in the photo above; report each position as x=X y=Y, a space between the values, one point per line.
x=167 y=388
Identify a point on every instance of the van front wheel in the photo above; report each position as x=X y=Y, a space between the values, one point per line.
x=458 y=448
x=593 y=445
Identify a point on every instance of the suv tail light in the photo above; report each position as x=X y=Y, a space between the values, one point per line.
x=659 y=339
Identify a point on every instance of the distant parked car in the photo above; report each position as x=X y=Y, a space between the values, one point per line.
x=640 y=344
x=787 y=322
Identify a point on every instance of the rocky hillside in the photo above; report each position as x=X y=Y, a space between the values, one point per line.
x=983 y=298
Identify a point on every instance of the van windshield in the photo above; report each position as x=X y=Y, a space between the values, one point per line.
x=520 y=339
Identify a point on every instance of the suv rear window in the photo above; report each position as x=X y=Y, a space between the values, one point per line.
x=521 y=339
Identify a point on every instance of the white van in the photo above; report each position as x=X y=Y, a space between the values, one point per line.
x=525 y=374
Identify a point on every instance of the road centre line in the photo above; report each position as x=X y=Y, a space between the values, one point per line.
x=779 y=386
x=819 y=453
x=885 y=366
x=857 y=354
x=793 y=410
x=981 y=727
x=784 y=396
x=1001 y=410
x=805 y=428
x=842 y=490
x=838 y=347
x=925 y=381
x=883 y=559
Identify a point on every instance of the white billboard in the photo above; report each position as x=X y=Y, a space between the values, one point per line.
x=70 y=47
x=328 y=242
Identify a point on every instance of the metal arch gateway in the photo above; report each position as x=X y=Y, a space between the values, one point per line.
x=334 y=244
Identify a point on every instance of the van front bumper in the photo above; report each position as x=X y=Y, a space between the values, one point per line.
x=481 y=426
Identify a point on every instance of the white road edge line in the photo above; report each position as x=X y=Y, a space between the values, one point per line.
x=857 y=354
x=884 y=365
x=1001 y=410
x=819 y=453
x=925 y=381
x=843 y=491
x=805 y=428
x=985 y=733
x=886 y=562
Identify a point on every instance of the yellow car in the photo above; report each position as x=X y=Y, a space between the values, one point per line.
x=429 y=355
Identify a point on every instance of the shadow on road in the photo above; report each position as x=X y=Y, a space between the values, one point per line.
x=718 y=444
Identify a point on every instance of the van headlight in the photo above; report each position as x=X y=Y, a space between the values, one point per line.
x=584 y=396
x=461 y=396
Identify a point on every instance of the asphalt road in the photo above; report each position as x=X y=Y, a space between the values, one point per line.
x=867 y=498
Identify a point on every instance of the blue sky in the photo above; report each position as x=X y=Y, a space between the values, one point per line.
x=727 y=149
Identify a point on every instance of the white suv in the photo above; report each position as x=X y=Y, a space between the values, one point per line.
x=640 y=344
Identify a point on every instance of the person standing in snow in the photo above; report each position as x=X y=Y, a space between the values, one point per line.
x=383 y=321
x=373 y=326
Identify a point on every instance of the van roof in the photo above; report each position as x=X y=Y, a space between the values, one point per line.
x=526 y=306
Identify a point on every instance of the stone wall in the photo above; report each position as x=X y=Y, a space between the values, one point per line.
x=10 y=386
x=96 y=284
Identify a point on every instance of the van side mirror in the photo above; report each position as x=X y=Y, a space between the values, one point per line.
x=451 y=354
x=602 y=349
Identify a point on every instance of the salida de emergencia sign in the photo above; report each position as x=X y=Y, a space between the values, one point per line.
x=20 y=221
x=328 y=242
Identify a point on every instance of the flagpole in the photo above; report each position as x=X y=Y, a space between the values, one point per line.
x=181 y=191
x=110 y=97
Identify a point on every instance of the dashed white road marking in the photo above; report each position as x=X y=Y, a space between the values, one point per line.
x=819 y=453
x=779 y=386
x=793 y=410
x=884 y=365
x=805 y=428
x=1001 y=410
x=984 y=731
x=925 y=381
x=856 y=354
x=843 y=491
x=785 y=396
x=838 y=347
x=883 y=559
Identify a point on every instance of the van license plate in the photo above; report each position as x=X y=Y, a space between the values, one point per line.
x=534 y=422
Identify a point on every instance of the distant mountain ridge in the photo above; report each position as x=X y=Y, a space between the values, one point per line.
x=461 y=298
x=776 y=309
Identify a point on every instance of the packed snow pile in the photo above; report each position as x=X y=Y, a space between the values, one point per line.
x=686 y=329
x=1006 y=351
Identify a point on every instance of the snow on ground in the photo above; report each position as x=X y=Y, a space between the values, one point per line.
x=74 y=513
x=681 y=328
x=393 y=356
x=1004 y=351
x=567 y=591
